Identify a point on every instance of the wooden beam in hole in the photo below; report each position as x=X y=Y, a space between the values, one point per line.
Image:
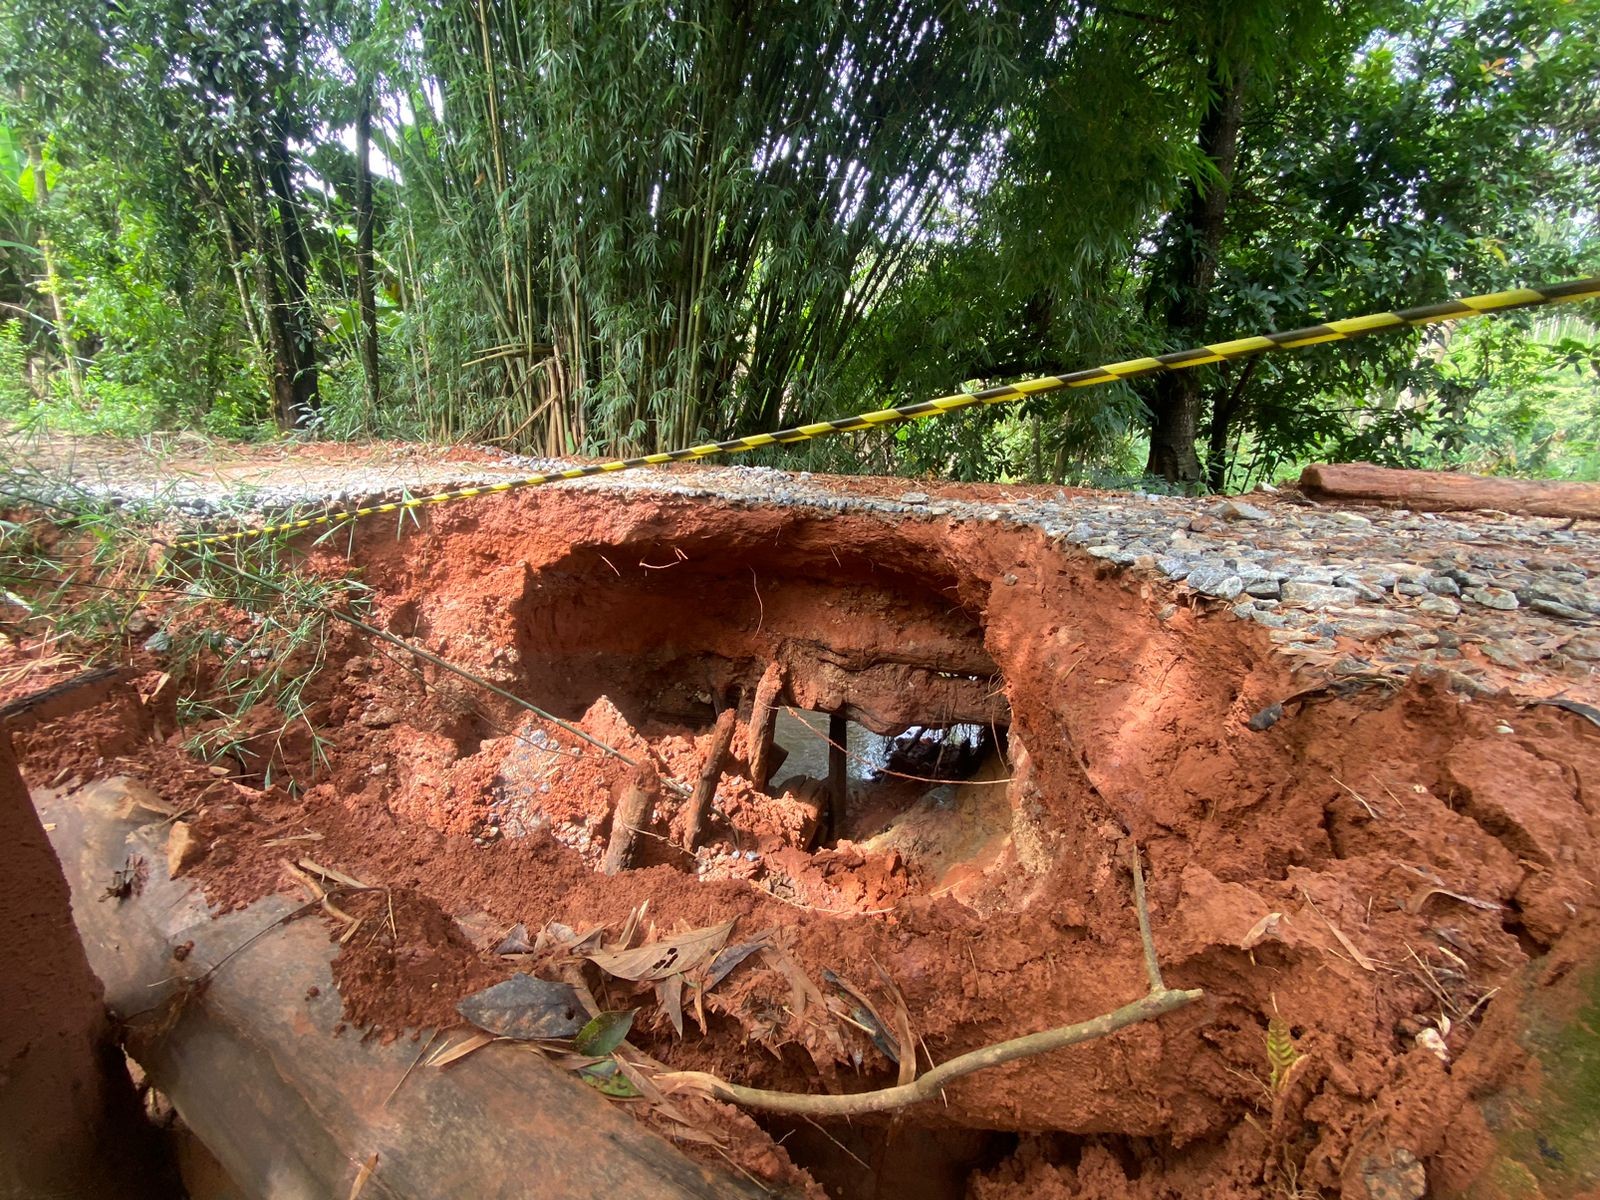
x=838 y=777
x=763 y=722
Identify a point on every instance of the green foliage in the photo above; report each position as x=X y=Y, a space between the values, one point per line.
x=247 y=636
x=606 y=227
x=636 y=224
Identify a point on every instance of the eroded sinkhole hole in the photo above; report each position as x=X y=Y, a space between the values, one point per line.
x=870 y=730
x=923 y=792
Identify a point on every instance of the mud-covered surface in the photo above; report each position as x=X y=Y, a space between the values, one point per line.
x=1386 y=866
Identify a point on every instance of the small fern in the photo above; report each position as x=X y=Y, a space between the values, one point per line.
x=1281 y=1053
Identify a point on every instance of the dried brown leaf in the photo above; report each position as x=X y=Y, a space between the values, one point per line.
x=630 y=927
x=526 y=1008
x=1263 y=929
x=332 y=873
x=446 y=1055
x=674 y=955
x=905 y=1035
x=1350 y=947
x=803 y=994
x=1420 y=897
x=359 y=1184
x=682 y=1131
x=729 y=958
x=865 y=1016
x=515 y=941
x=670 y=992
x=690 y=1083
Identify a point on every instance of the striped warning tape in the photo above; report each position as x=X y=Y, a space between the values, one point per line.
x=1178 y=360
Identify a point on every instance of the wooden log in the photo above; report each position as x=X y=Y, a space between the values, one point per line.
x=630 y=816
x=705 y=788
x=254 y=1064
x=63 y=699
x=1445 y=491
x=70 y=1123
x=810 y=797
x=838 y=774
x=763 y=720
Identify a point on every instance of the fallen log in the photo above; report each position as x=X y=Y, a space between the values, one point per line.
x=1446 y=491
x=70 y=1123
x=239 y=1031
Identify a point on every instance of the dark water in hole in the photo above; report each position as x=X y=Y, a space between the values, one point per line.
x=803 y=735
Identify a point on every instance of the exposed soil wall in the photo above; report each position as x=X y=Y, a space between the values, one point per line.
x=1363 y=874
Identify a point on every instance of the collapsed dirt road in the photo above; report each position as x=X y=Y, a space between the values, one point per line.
x=1366 y=845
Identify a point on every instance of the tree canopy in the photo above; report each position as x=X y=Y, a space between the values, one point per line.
x=597 y=226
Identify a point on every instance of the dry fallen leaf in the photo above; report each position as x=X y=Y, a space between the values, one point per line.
x=1263 y=929
x=515 y=941
x=673 y=955
x=903 y=1032
x=332 y=873
x=1420 y=897
x=803 y=994
x=359 y=1184
x=630 y=927
x=692 y=1083
x=865 y=1015
x=446 y=1055
x=728 y=959
x=670 y=992
x=1350 y=947
x=526 y=1009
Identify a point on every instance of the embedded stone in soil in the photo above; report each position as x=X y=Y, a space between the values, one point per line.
x=1312 y=871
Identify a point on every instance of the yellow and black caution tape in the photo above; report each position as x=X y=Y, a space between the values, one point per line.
x=1178 y=360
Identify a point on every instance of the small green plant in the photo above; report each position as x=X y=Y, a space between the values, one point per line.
x=1281 y=1052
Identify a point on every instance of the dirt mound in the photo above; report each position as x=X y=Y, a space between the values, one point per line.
x=1359 y=887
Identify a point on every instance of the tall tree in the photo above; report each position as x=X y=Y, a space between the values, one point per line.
x=208 y=99
x=1243 y=49
x=1449 y=148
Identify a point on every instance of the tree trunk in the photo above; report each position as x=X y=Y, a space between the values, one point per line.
x=293 y=261
x=1443 y=491
x=1223 y=411
x=52 y=275
x=280 y=338
x=1175 y=399
x=364 y=282
x=255 y=1064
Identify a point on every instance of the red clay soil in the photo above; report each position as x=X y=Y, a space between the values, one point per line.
x=1367 y=866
